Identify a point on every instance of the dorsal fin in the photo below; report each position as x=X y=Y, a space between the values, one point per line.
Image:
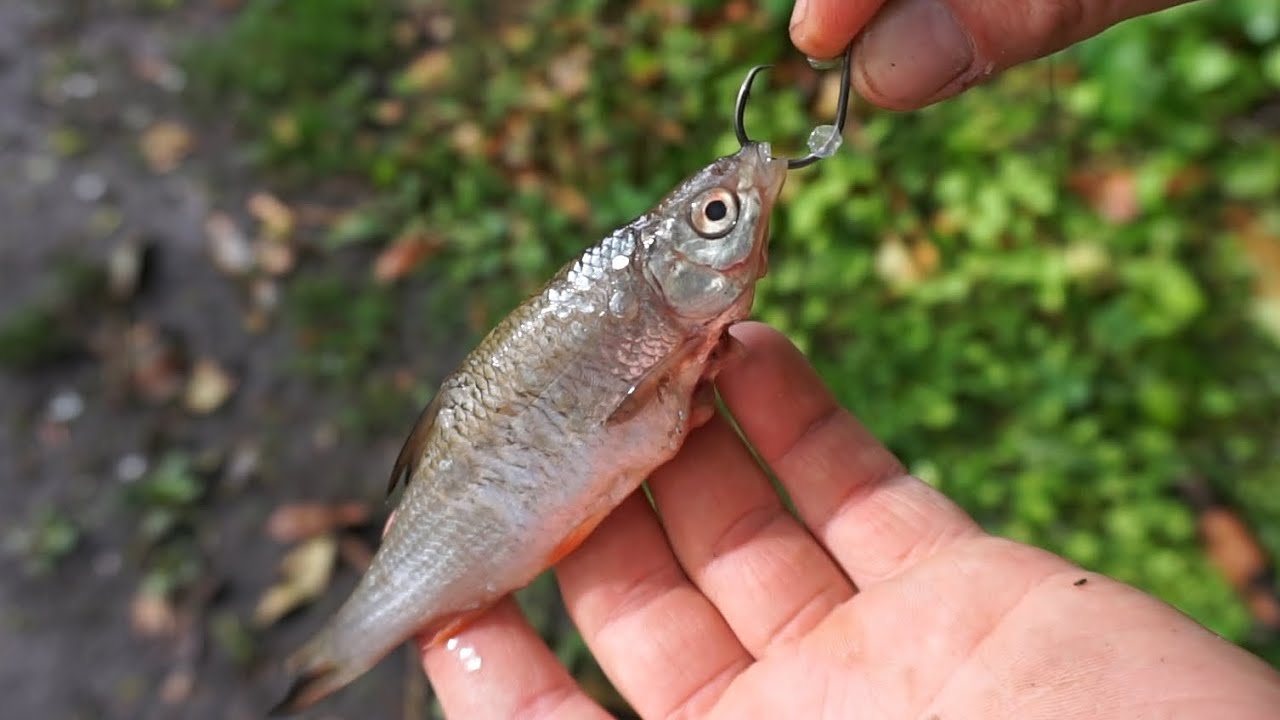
x=411 y=453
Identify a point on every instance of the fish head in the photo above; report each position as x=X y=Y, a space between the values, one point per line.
x=704 y=244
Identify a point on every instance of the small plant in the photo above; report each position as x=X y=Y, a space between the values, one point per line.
x=47 y=539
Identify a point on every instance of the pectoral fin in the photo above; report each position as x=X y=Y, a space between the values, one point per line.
x=414 y=446
x=652 y=384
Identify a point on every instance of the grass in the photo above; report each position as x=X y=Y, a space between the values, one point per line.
x=1042 y=294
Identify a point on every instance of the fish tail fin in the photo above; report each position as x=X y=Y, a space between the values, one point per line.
x=316 y=674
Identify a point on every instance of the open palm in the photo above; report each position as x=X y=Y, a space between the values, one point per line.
x=882 y=600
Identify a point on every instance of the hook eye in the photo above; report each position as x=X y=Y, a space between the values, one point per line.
x=842 y=112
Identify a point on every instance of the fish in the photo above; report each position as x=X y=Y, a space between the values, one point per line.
x=559 y=414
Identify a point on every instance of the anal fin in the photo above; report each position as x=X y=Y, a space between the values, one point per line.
x=576 y=537
x=439 y=633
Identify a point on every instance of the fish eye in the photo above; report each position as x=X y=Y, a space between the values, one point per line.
x=714 y=213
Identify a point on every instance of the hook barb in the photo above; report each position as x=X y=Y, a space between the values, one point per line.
x=842 y=112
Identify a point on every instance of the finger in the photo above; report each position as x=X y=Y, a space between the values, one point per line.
x=766 y=574
x=823 y=28
x=873 y=518
x=498 y=667
x=916 y=52
x=658 y=639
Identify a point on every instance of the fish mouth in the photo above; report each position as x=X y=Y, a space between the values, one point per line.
x=765 y=174
x=762 y=171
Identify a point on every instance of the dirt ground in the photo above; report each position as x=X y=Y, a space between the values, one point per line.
x=70 y=646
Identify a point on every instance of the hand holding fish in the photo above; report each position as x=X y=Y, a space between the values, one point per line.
x=911 y=53
x=883 y=599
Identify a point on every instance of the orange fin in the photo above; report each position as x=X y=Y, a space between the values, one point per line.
x=450 y=627
x=411 y=453
x=575 y=538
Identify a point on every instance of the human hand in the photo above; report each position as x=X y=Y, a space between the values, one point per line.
x=882 y=600
x=916 y=52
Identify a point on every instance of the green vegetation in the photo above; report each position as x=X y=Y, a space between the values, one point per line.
x=1041 y=294
x=45 y=540
x=167 y=501
x=49 y=328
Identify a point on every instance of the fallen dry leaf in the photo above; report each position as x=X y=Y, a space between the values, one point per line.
x=903 y=265
x=738 y=12
x=517 y=38
x=1113 y=194
x=571 y=202
x=355 y=552
x=228 y=247
x=292 y=523
x=305 y=573
x=1266 y=608
x=1085 y=259
x=1262 y=247
x=440 y=27
x=926 y=257
x=151 y=614
x=429 y=70
x=389 y=112
x=165 y=144
x=1231 y=546
x=208 y=388
x=242 y=464
x=404 y=33
x=159 y=71
x=126 y=267
x=570 y=73
x=276 y=217
x=177 y=686
x=264 y=297
x=402 y=256
x=274 y=257
x=155 y=361
x=468 y=139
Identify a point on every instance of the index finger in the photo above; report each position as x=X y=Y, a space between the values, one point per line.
x=823 y=29
x=498 y=667
x=872 y=517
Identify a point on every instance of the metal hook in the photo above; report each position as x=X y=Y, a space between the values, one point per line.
x=740 y=108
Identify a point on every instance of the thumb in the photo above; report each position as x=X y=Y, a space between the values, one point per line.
x=912 y=53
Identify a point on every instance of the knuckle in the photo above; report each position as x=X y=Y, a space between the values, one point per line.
x=1056 y=23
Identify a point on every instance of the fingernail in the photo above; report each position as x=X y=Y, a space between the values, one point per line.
x=798 y=12
x=912 y=50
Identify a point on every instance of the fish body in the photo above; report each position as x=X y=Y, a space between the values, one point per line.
x=559 y=414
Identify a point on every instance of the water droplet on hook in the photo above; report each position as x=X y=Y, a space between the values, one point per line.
x=823 y=63
x=824 y=141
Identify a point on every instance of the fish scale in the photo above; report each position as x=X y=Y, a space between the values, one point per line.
x=557 y=415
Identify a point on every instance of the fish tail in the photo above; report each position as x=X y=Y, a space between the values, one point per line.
x=316 y=673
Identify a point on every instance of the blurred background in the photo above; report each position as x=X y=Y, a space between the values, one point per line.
x=244 y=240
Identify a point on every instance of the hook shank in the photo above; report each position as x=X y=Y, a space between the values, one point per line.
x=842 y=112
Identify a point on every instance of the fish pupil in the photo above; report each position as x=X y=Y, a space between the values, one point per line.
x=716 y=210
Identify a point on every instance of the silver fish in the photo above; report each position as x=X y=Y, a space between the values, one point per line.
x=558 y=415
